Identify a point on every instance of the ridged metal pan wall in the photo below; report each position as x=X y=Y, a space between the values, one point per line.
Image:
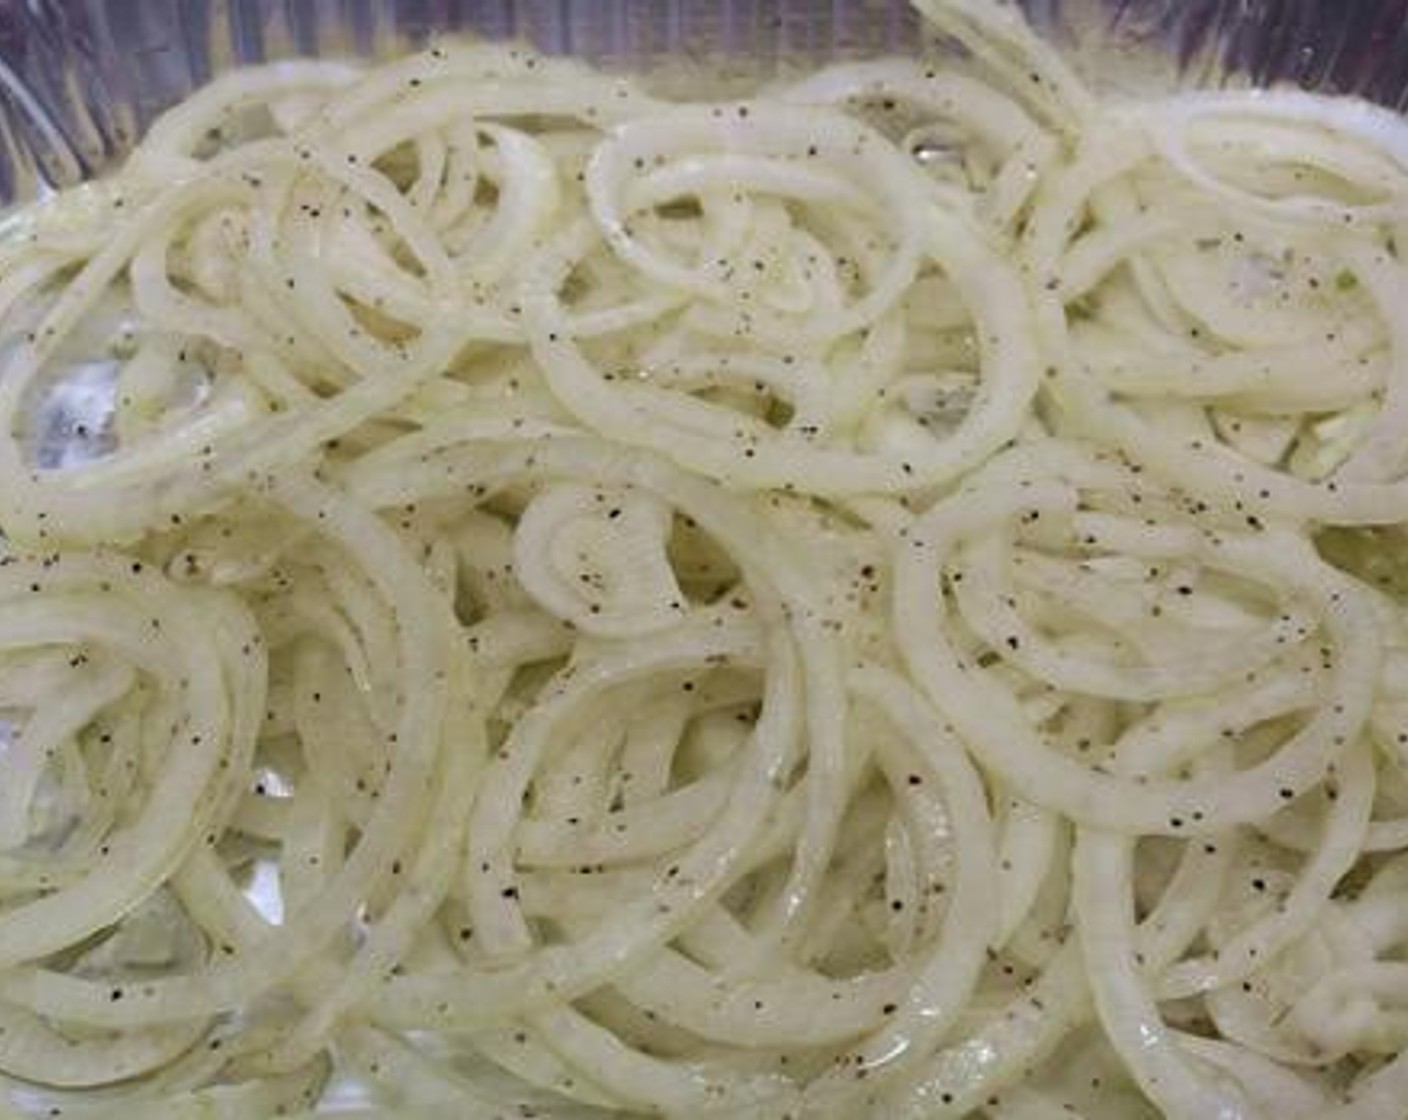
x=81 y=79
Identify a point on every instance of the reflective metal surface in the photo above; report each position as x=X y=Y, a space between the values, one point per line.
x=1347 y=46
x=81 y=79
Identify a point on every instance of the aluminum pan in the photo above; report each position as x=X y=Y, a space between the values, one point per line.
x=81 y=79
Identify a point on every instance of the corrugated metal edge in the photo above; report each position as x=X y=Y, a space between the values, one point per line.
x=79 y=79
